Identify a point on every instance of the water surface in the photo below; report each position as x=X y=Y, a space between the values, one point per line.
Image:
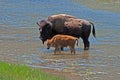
x=19 y=40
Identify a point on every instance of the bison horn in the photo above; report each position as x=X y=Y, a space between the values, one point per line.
x=37 y=23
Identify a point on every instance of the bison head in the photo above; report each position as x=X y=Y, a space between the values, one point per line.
x=46 y=31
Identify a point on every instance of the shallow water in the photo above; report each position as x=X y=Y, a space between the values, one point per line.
x=108 y=5
x=19 y=40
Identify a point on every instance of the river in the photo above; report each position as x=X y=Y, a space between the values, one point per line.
x=20 y=43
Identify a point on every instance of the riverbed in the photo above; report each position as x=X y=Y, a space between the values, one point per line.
x=20 y=43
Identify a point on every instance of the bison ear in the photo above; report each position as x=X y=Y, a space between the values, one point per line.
x=38 y=24
x=49 y=23
x=41 y=23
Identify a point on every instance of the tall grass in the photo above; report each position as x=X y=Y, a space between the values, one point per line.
x=18 y=72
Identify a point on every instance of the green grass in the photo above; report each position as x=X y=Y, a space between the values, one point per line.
x=18 y=72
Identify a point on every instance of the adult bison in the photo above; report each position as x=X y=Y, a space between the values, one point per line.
x=68 y=25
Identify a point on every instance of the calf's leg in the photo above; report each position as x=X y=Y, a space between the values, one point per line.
x=72 y=49
x=59 y=49
x=56 y=50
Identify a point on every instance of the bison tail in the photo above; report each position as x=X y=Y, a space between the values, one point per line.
x=93 y=30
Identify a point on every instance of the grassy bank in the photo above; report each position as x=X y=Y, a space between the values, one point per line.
x=18 y=72
x=109 y=5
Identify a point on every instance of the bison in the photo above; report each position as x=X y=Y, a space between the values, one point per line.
x=68 y=25
x=59 y=41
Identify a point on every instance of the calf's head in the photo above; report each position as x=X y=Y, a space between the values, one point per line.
x=49 y=43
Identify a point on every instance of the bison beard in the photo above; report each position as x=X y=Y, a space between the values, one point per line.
x=68 y=25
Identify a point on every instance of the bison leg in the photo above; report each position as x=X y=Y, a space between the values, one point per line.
x=86 y=29
x=86 y=43
x=62 y=48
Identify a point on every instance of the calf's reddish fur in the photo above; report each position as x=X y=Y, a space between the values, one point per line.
x=59 y=41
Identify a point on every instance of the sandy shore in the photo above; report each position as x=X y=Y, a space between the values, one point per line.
x=66 y=75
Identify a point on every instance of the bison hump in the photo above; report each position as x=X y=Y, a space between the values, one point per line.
x=73 y=23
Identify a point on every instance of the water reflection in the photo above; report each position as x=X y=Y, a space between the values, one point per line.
x=85 y=55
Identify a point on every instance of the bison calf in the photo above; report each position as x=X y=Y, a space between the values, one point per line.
x=59 y=41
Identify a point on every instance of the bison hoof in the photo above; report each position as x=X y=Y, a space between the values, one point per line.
x=48 y=48
x=87 y=48
x=62 y=49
